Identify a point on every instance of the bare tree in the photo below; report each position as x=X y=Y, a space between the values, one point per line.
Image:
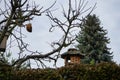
x=19 y=11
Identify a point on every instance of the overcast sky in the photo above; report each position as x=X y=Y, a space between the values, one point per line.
x=107 y=10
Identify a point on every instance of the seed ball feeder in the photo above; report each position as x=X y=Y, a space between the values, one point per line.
x=29 y=27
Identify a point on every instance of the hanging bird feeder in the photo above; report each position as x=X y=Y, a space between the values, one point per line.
x=29 y=27
x=3 y=43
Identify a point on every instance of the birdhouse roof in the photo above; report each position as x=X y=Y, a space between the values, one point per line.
x=72 y=52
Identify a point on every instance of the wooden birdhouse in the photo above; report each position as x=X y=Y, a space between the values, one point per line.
x=72 y=56
x=4 y=42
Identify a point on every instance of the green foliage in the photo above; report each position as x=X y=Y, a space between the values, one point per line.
x=6 y=58
x=101 y=71
x=92 y=62
x=92 y=41
x=36 y=74
x=5 y=72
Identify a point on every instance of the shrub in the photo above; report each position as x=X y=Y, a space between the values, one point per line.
x=102 y=71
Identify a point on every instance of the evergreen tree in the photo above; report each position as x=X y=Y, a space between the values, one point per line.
x=92 y=41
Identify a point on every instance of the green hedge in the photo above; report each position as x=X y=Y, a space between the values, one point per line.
x=102 y=71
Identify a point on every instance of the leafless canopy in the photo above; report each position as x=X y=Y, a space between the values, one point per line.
x=16 y=12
